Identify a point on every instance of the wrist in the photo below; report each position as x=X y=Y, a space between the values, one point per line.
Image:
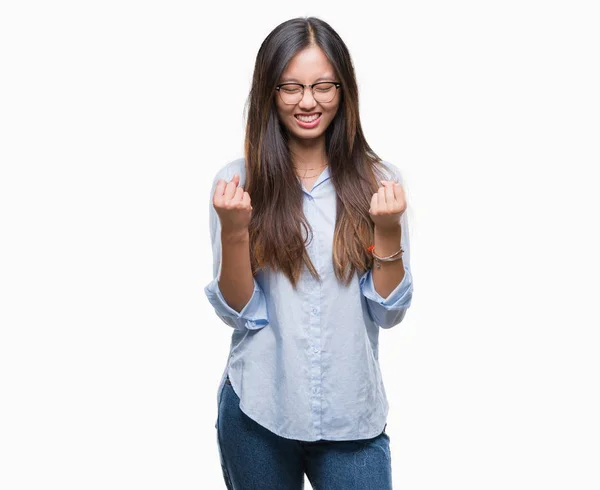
x=388 y=230
x=387 y=234
x=387 y=241
x=235 y=236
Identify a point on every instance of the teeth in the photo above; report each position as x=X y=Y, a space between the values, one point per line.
x=308 y=118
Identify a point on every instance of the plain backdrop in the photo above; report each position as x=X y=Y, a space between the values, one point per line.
x=115 y=117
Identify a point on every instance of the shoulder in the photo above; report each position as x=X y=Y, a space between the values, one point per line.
x=227 y=171
x=390 y=172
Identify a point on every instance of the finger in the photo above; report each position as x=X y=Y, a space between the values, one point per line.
x=220 y=187
x=239 y=194
x=381 y=198
x=389 y=194
x=231 y=188
x=399 y=192
x=373 y=203
x=219 y=191
x=246 y=200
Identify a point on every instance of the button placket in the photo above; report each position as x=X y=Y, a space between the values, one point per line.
x=313 y=308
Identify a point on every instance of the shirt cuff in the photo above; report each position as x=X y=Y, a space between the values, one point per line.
x=253 y=316
x=400 y=297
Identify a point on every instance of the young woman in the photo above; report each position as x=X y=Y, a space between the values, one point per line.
x=298 y=227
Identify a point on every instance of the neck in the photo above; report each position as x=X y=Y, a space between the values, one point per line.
x=307 y=154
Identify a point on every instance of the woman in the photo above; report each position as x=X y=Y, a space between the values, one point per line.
x=296 y=226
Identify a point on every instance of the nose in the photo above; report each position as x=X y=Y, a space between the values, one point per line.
x=308 y=101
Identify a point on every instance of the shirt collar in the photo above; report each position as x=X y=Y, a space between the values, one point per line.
x=325 y=175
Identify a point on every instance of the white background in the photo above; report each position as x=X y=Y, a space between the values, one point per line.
x=114 y=118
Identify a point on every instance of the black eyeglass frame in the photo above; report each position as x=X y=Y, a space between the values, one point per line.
x=304 y=86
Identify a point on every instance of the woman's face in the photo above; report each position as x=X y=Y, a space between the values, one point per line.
x=307 y=67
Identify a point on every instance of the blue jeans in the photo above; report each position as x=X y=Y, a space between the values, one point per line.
x=254 y=458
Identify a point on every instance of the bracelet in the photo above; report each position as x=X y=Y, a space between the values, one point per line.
x=390 y=258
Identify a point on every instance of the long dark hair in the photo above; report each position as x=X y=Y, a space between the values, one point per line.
x=276 y=237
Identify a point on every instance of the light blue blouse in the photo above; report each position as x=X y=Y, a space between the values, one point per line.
x=305 y=363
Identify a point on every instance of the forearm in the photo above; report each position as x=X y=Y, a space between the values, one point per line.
x=236 y=282
x=390 y=274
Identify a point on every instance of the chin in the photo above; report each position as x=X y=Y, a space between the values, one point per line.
x=305 y=136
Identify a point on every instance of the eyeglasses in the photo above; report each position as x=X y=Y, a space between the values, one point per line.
x=292 y=93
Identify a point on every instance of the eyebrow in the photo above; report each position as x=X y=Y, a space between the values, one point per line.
x=291 y=79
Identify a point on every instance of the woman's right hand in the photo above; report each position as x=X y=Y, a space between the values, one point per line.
x=232 y=205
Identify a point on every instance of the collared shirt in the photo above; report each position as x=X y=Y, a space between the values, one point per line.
x=305 y=362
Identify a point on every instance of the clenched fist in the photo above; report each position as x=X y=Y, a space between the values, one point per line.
x=232 y=205
x=387 y=205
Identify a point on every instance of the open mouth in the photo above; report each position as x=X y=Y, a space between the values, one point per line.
x=308 y=119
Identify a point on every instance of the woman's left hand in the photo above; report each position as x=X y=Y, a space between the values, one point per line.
x=387 y=205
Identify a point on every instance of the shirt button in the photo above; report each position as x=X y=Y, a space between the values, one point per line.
x=314 y=311
x=316 y=350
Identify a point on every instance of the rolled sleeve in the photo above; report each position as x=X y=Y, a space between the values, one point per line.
x=387 y=312
x=253 y=316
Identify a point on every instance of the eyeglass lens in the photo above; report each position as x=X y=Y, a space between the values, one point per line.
x=322 y=92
